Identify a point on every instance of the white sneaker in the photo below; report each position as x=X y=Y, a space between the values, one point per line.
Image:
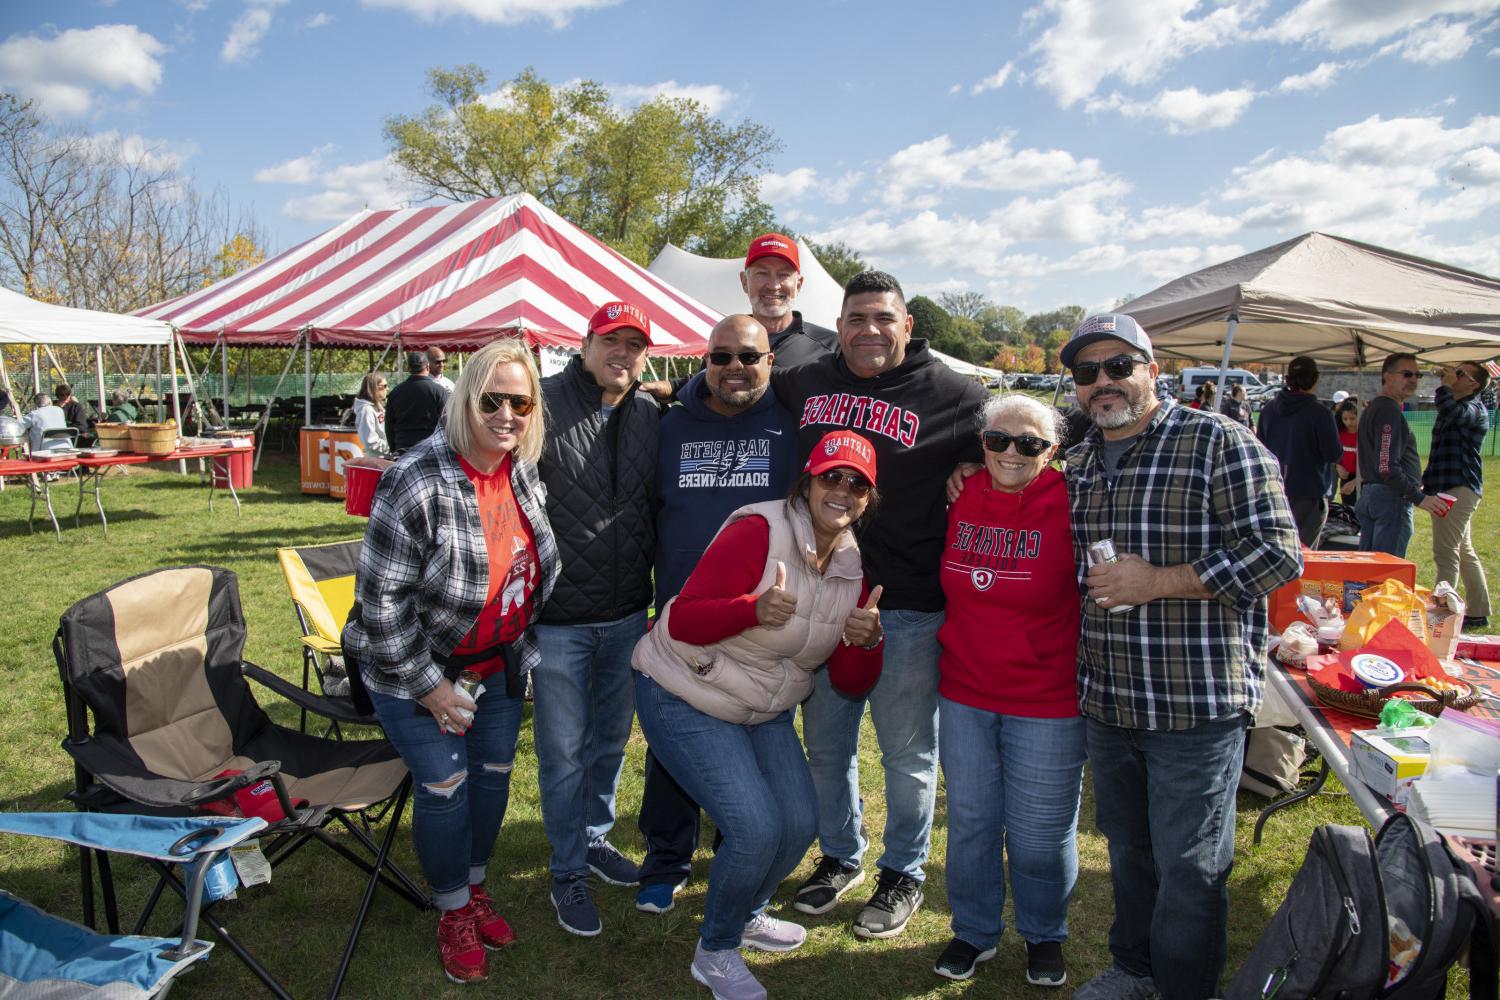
x=724 y=973
x=765 y=933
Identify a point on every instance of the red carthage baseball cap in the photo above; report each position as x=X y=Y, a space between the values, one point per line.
x=773 y=245
x=842 y=450
x=614 y=316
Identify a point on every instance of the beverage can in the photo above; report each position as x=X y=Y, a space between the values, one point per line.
x=1103 y=551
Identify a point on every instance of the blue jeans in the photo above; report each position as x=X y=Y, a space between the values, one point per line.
x=581 y=720
x=903 y=706
x=447 y=814
x=1013 y=788
x=1385 y=520
x=1165 y=801
x=753 y=781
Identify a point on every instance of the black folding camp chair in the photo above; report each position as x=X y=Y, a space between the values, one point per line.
x=158 y=709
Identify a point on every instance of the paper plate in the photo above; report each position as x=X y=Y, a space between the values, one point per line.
x=1375 y=671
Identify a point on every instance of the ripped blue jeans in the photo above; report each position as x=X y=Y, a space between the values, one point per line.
x=462 y=785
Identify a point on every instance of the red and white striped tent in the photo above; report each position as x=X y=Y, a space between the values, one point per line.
x=455 y=276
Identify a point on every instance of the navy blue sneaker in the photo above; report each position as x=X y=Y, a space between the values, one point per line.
x=611 y=866
x=575 y=906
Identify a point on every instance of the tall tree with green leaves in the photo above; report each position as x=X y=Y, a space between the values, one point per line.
x=663 y=171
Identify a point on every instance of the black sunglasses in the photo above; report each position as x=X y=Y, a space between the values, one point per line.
x=490 y=402
x=1118 y=368
x=858 y=485
x=747 y=358
x=1027 y=444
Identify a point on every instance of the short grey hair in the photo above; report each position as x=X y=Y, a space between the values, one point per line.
x=1007 y=403
x=461 y=412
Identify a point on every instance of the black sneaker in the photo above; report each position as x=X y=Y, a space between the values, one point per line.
x=829 y=881
x=959 y=959
x=1044 y=964
x=1472 y=622
x=896 y=898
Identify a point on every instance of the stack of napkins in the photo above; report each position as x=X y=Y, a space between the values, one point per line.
x=1459 y=803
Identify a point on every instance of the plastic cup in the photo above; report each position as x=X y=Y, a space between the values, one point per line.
x=1448 y=501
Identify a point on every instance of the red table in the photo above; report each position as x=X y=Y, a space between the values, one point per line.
x=37 y=470
x=93 y=469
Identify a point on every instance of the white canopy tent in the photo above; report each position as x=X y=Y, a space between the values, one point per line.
x=715 y=281
x=41 y=324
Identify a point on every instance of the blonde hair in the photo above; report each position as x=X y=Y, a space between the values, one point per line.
x=461 y=413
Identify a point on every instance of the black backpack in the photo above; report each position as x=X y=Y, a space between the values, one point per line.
x=1329 y=939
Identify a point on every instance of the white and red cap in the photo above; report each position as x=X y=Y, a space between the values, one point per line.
x=614 y=316
x=842 y=450
x=773 y=245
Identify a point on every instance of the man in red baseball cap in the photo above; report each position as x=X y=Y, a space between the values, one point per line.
x=772 y=278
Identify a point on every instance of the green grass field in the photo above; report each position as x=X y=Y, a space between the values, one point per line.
x=297 y=924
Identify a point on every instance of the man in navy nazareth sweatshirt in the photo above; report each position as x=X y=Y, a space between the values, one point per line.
x=728 y=444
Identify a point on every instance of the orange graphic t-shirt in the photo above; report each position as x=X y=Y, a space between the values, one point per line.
x=515 y=570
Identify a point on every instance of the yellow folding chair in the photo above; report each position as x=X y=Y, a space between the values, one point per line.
x=321 y=581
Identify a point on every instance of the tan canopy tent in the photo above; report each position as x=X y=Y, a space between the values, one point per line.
x=1341 y=302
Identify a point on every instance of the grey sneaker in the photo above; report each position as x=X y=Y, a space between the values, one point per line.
x=611 y=866
x=764 y=932
x=575 y=906
x=1115 y=983
x=829 y=881
x=724 y=973
x=897 y=897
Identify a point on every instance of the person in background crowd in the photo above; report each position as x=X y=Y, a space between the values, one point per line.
x=1302 y=434
x=919 y=415
x=415 y=406
x=1009 y=732
x=44 y=416
x=1455 y=467
x=1203 y=397
x=457 y=563
x=599 y=465
x=1235 y=405
x=6 y=402
x=728 y=445
x=1172 y=652
x=121 y=409
x=779 y=592
x=436 y=361
x=74 y=410
x=1346 y=416
x=772 y=279
x=369 y=414
x=1390 y=474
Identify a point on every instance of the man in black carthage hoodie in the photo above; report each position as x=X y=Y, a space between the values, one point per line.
x=1300 y=431
x=920 y=416
x=772 y=279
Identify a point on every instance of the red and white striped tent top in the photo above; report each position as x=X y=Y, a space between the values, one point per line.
x=455 y=276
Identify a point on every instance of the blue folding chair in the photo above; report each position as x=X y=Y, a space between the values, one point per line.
x=46 y=956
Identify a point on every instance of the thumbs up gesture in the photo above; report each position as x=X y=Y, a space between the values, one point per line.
x=862 y=627
x=775 y=606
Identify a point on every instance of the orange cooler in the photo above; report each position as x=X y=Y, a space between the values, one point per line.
x=1337 y=575
x=313 y=451
x=342 y=447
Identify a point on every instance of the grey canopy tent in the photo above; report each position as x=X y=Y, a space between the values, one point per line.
x=1339 y=301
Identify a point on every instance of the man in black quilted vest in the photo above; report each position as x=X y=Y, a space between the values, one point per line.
x=599 y=467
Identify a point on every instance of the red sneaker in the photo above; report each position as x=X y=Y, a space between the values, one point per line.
x=493 y=930
x=464 y=958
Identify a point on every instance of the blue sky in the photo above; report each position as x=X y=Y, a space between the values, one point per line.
x=1043 y=153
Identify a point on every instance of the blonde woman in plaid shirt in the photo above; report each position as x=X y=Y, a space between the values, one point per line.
x=1171 y=652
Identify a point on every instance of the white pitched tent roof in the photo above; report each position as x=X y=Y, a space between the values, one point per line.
x=452 y=275
x=27 y=321
x=1333 y=299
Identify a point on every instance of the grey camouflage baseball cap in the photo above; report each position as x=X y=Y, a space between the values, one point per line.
x=1106 y=326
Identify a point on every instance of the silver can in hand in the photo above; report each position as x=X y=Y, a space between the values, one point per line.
x=1103 y=551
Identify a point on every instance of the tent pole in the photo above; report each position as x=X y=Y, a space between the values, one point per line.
x=306 y=377
x=99 y=374
x=62 y=376
x=15 y=404
x=1224 y=364
x=224 y=374
x=176 y=400
x=195 y=388
x=160 y=399
x=36 y=371
x=265 y=414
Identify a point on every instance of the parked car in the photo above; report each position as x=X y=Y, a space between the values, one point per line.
x=1192 y=378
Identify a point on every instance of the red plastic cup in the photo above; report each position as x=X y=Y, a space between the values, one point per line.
x=1448 y=501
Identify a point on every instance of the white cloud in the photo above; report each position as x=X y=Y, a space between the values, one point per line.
x=1090 y=41
x=350 y=188
x=1494 y=53
x=1341 y=24
x=321 y=19
x=243 y=42
x=1180 y=222
x=776 y=188
x=995 y=80
x=298 y=170
x=63 y=72
x=1417 y=141
x=1316 y=79
x=502 y=12
x=135 y=150
x=993 y=165
x=1478 y=166
x=712 y=96
x=1170 y=262
x=1436 y=42
x=1185 y=110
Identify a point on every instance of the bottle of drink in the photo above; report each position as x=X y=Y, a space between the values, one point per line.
x=468 y=682
x=1103 y=551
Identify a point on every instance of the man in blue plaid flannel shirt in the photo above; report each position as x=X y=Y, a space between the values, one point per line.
x=1172 y=650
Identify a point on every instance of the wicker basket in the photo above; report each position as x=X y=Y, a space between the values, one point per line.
x=1369 y=703
x=154 y=439
x=113 y=435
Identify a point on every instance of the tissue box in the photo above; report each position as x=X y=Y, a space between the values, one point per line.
x=1339 y=575
x=1390 y=762
x=1478 y=647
